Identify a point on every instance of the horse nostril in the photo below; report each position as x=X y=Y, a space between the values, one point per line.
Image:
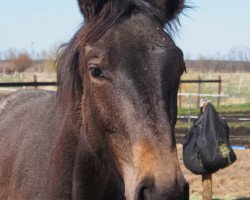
x=184 y=193
x=144 y=190
x=147 y=190
x=185 y=189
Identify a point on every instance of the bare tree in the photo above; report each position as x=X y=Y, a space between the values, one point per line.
x=203 y=64
x=22 y=62
x=49 y=58
x=11 y=54
x=242 y=55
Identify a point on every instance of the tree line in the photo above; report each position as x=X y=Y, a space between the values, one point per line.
x=11 y=61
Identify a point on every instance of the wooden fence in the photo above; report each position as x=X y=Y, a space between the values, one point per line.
x=199 y=81
x=28 y=84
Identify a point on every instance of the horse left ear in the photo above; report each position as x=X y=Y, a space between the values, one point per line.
x=90 y=8
x=171 y=8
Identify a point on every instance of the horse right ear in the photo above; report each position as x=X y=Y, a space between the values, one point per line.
x=91 y=8
x=171 y=8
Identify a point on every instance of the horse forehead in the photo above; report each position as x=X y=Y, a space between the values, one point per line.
x=138 y=41
x=137 y=44
x=148 y=38
x=139 y=32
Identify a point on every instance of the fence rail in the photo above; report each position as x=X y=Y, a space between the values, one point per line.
x=199 y=81
x=202 y=81
x=35 y=83
x=28 y=84
x=231 y=119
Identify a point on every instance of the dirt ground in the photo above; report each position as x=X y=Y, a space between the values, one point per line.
x=231 y=183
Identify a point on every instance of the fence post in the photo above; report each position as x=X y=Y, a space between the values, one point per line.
x=206 y=178
x=207 y=187
x=35 y=80
x=199 y=91
x=219 y=91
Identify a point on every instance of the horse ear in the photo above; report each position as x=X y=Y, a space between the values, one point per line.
x=90 y=8
x=171 y=8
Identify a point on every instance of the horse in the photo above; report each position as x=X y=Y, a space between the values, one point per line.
x=107 y=133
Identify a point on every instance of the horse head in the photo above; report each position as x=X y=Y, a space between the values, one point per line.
x=126 y=71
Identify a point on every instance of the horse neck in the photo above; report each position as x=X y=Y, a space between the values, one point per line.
x=94 y=177
x=78 y=173
x=64 y=150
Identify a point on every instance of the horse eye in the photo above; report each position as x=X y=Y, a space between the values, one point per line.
x=96 y=72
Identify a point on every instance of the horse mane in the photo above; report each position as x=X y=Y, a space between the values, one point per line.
x=70 y=85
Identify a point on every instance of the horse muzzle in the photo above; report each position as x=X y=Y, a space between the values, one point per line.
x=147 y=190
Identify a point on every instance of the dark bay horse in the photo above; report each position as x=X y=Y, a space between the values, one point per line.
x=107 y=133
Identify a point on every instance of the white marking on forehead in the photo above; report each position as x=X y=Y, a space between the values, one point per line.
x=88 y=48
x=159 y=49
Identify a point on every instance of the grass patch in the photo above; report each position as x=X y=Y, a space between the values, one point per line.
x=235 y=88
x=223 y=110
x=28 y=77
x=239 y=125
x=234 y=108
x=232 y=125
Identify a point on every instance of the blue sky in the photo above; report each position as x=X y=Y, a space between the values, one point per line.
x=210 y=29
